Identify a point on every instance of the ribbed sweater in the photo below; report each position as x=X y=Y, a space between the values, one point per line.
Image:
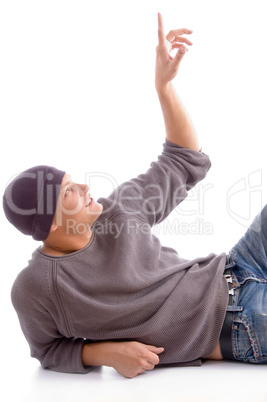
x=125 y=285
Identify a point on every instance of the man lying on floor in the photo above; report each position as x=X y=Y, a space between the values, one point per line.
x=93 y=296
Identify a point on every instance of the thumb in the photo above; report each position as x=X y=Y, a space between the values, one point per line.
x=179 y=55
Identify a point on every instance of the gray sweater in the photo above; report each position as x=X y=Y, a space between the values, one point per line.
x=124 y=285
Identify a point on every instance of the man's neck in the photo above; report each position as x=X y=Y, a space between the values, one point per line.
x=65 y=246
x=52 y=251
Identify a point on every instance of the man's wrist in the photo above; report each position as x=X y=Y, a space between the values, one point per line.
x=163 y=89
x=98 y=354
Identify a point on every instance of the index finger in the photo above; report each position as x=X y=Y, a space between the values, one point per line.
x=161 y=30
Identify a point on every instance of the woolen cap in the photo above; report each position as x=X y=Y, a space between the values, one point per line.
x=30 y=200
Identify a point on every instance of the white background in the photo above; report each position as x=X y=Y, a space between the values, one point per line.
x=77 y=92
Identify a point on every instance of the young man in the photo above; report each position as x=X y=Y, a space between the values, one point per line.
x=102 y=290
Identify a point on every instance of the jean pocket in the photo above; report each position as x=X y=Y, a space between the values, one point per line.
x=245 y=343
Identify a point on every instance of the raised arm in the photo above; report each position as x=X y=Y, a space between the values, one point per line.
x=154 y=194
x=179 y=128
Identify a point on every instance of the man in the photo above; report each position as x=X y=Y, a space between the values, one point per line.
x=102 y=290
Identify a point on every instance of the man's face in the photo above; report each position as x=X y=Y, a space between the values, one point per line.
x=76 y=209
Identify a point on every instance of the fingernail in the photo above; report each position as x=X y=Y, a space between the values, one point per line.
x=183 y=50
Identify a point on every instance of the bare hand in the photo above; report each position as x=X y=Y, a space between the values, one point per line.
x=166 y=65
x=133 y=358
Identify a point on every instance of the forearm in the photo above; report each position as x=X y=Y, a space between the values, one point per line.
x=179 y=128
x=128 y=358
x=97 y=354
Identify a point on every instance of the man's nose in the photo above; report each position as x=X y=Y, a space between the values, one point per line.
x=85 y=188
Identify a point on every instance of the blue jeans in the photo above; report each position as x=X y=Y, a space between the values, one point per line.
x=248 y=261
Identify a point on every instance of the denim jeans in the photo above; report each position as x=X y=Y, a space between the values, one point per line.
x=248 y=261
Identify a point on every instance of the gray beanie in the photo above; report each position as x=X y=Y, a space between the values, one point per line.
x=30 y=200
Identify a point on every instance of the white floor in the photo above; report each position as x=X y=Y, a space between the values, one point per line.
x=214 y=381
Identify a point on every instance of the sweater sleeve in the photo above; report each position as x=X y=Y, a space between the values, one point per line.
x=153 y=195
x=37 y=318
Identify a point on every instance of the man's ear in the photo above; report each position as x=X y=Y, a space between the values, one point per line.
x=53 y=227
